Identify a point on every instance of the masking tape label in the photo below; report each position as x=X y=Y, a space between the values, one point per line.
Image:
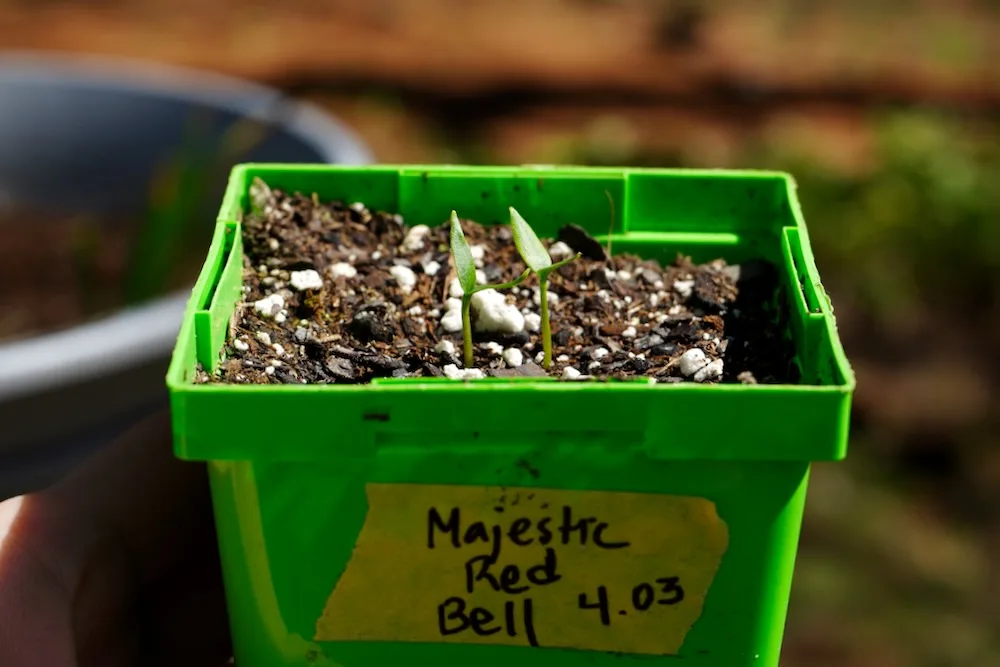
x=589 y=570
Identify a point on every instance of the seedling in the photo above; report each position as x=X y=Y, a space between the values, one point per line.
x=538 y=260
x=465 y=270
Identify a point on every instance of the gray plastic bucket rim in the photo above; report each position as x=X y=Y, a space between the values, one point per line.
x=137 y=335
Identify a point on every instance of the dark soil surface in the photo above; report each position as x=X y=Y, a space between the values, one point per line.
x=57 y=271
x=614 y=318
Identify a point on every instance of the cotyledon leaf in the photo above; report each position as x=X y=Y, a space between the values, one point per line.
x=530 y=248
x=465 y=266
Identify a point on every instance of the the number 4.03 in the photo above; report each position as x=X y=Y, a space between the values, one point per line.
x=666 y=591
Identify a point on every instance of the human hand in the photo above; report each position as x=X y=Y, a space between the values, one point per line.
x=116 y=565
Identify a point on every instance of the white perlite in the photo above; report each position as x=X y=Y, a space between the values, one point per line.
x=305 y=280
x=264 y=338
x=593 y=365
x=532 y=322
x=599 y=353
x=513 y=357
x=431 y=268
x=445 y=347
x=494 y=348
x=269 y=306
x=241 y=345
x=695 y=363
x=692 y=361
x=630 y=332
x=453 y=372
x=537 y=296
x=343 y=270
x=451 y=321
x=494 y=314
x=415 y=311
x=455 y=289
x=710 y=371
x=559 y=251
x=478 y=253
x=540 y=357
x=570 y=373
x=404 y=277
x=414 y=239
x=684 y=287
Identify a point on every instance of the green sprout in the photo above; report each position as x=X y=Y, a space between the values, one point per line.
x=538 y=260
x=465 y=270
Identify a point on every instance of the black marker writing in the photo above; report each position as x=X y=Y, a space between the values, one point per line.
x=667 y=591
x=455 y=617
x=521 y=532
x=478 y=569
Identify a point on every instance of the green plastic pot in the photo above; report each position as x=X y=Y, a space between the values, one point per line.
x=637 y=522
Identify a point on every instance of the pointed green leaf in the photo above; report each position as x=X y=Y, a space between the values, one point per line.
x=531 y=249
x=465 y=266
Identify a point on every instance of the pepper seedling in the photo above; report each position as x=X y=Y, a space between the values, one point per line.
x=465 y=270
x=537 y=258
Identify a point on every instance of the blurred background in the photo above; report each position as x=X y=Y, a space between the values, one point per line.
x=886 y=111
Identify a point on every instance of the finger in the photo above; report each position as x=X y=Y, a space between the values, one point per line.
x=104 y=618
x=185 y=618
x=136 y=490
x=152 y=512
x=75 y=556
x=35 y=610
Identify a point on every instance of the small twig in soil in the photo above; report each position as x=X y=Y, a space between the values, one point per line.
x=611 y=228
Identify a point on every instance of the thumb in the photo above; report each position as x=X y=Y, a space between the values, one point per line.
x=36 y=610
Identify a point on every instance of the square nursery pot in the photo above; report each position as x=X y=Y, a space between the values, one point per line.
x=352 y=519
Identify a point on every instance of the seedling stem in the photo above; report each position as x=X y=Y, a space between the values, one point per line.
x=543 y=301
x=465 y=271
x=538 y=260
